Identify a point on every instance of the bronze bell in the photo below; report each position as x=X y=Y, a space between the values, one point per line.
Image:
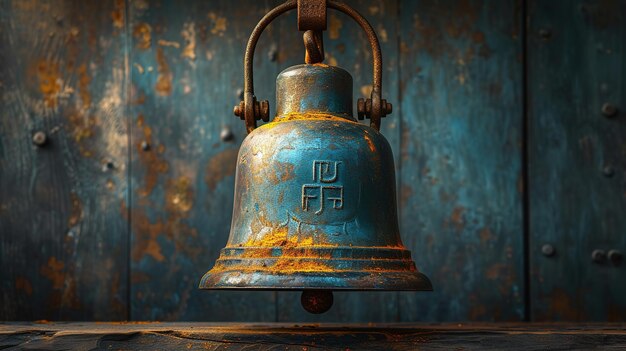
x=315 y=198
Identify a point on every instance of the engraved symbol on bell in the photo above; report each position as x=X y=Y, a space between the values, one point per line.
x=323 y=192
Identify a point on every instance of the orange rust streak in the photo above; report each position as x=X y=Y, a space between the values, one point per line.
x=164 y=80
x=282 y=266
x=117 y=15
x=77 y=210
x=370 y=143
x=281 y=172
x=292 y=116
x=173 y=229
x=179 y=195
x=54 y=272
x=83 y=83
x=153 y=163
x=49 y=81
x=279 y=238
x=143 y=33
x=23 y=284
x=82 y=127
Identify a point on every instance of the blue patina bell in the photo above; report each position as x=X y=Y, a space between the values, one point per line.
x=315 y=198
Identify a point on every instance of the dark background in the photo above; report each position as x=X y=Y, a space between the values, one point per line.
x=499 y=136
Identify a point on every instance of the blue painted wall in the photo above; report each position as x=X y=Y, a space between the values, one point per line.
x=499 y=139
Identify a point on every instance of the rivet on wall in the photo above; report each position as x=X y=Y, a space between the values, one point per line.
x=107 y=165
x=545 y=33
x=616 y=257
x=598 y=256
x=145 y=146
x=608 y=171
x=227 y=134
x=548 y=250
x=40 y=138
x=609 y=110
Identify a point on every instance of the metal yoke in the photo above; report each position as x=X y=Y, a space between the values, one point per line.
x=312 y=18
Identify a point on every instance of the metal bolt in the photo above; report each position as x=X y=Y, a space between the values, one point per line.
x=548 y=250
x=58 y=19
x=615 y=256
x=40 y=138
x=598 y=256
x=107 y=165
x=545 y=33
x=145 y=146
x=388 y=108
x=238 y=110
x=609 y=110
x=226 y=134
x=360 y=107
x=608 y=171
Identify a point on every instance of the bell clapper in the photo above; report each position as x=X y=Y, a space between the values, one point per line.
x=317 y=301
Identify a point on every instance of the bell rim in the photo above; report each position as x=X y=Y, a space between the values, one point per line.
x=386 y=281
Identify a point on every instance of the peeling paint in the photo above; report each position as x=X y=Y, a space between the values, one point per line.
x=50 y=82
x=382 y=34
x=76 y=213
x=366 y=90
x=163 y=85
x=83 y=85
x=281 y=172
x=330 y=59
x=166 y=43
x=53 y=270
x=485 y=235
x=189 y=34
x=457 y=218
x=117 y=15
x=334 y=27
x=179 y=195
x=153 y=163
x=219 y=24
x=170 y=227
x=405 y=195
x=143 y=35
x=82 y=127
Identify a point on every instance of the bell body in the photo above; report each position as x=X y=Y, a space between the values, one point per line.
x=315 y=198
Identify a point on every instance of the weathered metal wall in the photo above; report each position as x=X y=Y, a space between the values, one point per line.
x=128 y=203
x=577 y=158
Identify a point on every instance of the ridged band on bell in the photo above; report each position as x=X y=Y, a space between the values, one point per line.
x=315 y=199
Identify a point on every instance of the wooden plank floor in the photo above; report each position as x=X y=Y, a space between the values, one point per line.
x=213 y=336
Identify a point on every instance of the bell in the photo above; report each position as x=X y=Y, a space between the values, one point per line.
x=315 y=198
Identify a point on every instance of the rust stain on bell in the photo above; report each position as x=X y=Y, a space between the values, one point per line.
x=315 y=198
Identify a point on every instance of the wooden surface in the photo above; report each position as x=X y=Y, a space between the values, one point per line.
x=498 y=139
x=205 y=336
